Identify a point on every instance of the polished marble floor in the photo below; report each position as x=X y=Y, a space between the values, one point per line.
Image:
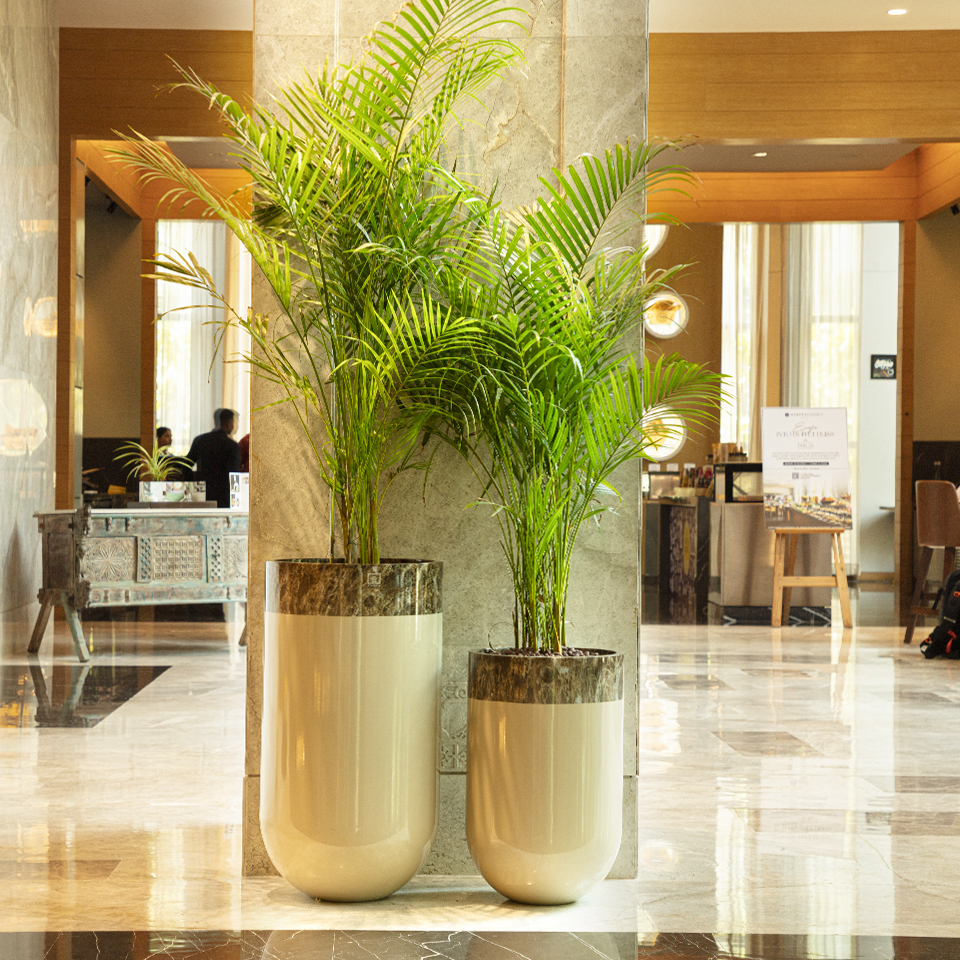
x=458 y=945
x=799 y=797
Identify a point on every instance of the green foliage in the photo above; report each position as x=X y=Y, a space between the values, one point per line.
x=354 y=221
x=155 y=464
x=559 y=399
x=408 y=302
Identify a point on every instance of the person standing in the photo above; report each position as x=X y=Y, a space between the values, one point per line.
x=164 y=440
x=215 y=456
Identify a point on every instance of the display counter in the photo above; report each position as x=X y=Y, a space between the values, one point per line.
x=135 y=556
x=676 y=556
x=741 y=567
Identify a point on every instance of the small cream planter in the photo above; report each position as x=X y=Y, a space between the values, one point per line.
x=351 y=692
x=544 y=772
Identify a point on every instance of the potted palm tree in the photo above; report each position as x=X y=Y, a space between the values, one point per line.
x=158 y=470
x=560 y=403
x=355 y=224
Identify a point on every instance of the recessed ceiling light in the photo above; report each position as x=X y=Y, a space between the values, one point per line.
x=762 y=153
x=899 y=12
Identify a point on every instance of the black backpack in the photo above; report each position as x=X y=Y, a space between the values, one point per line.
x=943 y=642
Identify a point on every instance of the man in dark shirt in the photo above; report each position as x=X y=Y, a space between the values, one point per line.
x=216 y=455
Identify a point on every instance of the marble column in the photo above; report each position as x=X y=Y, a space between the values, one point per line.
x=29 y=54
x=584 y=88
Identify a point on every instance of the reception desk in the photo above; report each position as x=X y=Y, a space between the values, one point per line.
x=136 y=556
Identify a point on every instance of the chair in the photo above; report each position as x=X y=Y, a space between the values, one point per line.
x=938 y=525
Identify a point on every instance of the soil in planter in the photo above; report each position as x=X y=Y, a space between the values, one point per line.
x=530 y=652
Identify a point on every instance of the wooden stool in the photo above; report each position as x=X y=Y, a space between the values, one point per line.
x=938 y=525
x=784 y=560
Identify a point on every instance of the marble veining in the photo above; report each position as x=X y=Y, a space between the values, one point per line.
x=776 y=743
x=845 y=852
x=679 y=681
x=29 y=143
x=582 y=88
x=511 y=678
x=462 y=945
x=392 y=588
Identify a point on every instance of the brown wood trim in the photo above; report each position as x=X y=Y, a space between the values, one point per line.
x=938 y=180
x=158 y=202
x=148 y=340
x=115 y=179
x=806 y=86
x=66 y=323
x=795 y=198
x=903 y=517
x=84 y=40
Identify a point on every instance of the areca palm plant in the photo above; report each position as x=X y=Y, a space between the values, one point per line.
x=560 y=399
x=354 y=218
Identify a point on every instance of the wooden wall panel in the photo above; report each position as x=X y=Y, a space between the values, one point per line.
x=806 y=86
x=889 y=194
x=227 y=182
x=701 y=284
x=116 y=180
x=114 y=79
x=938 y=178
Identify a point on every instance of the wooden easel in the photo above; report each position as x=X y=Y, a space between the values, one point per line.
x=784 y=560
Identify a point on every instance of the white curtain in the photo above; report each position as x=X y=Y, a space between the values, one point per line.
x=822 y=307
x=193 y=376
x=746 y=272
x=236 y=342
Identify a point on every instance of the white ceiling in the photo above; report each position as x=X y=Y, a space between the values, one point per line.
x=153 y=15
x=789 y=16
x=666 y=16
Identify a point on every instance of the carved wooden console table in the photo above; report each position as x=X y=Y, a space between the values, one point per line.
x=129 y=557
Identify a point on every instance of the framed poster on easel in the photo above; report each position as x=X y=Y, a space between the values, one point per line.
x=806 y=490
x=806 y=467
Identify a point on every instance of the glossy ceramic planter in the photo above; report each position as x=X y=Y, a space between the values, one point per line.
x=351 y=692
x=544 y=772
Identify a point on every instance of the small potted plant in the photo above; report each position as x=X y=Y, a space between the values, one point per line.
x=156 y=470
x=560 y=403
x=355 y=225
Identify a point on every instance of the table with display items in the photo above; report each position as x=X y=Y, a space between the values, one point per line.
x=135 y=556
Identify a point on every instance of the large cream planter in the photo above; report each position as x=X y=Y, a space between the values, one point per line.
x=351 y=692
x=544 y=772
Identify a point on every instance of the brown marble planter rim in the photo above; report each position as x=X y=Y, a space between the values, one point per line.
x=321 y=587
x=546 y=679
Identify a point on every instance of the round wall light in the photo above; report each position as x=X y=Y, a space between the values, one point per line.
x=653 y=236
x=665 y=314
x=665 y=433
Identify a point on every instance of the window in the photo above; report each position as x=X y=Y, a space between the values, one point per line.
x=196 y=362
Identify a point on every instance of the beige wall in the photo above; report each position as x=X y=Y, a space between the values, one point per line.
x=28 y=290
x=937 y=328
x=111 y=396
x=700 y=246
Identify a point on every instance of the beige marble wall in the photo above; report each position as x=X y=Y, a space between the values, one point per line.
x=28 y=289
x=584 y=88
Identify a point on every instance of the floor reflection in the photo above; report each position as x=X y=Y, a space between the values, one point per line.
x=462 y=945
x=68 y=694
